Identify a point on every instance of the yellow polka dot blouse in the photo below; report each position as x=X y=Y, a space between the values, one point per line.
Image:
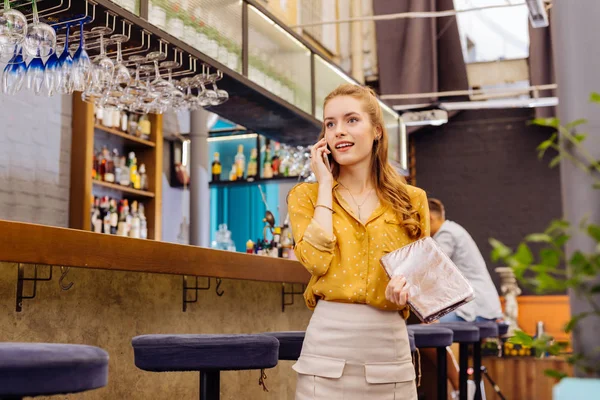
x=345 y=267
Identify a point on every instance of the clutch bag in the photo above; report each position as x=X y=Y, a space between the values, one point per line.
x=436 y=286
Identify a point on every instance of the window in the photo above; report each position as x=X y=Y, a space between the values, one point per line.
x=493 y=34
x=320 y=10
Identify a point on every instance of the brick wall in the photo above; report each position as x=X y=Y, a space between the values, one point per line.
x=35 y=151
x=483 y=165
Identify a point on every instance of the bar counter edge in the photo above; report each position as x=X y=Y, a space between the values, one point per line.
x=48 y=245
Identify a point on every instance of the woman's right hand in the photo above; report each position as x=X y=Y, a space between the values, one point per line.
x=317 y=163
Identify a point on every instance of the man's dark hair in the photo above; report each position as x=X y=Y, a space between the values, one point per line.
x=436 y=206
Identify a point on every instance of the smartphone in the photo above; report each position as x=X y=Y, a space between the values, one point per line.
x=327 y=159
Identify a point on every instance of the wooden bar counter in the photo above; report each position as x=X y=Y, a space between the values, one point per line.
x=125 y=287
x=39 y=244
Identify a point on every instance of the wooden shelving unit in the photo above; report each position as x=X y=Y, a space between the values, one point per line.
x=132 y=140
x=282 y=179
x=131 y=192
x=86 y=137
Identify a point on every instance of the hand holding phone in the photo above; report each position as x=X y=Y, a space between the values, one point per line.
x=320 y=164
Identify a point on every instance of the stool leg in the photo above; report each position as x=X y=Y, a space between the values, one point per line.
x=463 y=364
x=442 y=376
x=477 y=369
x=210 y=385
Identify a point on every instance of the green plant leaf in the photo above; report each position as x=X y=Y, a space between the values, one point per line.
x=594 y=231
x=552 y=373
x=500 y=250
x=595 y=97
x=561 y=240
x=579 y=137
x=550 y=257
x=596 y=186
x=521 y=338
x=539 y=238
x=550 y=122
x=576 y=123
x=523 y=254
x=555 y=161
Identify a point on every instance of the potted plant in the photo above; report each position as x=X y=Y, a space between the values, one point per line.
x=548 y=269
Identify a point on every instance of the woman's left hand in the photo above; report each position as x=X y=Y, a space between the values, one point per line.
x=397 y=291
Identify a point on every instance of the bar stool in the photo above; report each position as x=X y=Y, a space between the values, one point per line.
x=429 y=336
x=466 y=335
x=36 y=369
x=290 y=343
x=208 y=354
x=487 y=329
x=502 y=328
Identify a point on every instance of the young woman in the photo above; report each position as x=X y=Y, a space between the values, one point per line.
x=356 y=344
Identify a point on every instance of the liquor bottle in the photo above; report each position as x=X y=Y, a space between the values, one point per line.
x=276 y=161
x=267 y=166
x=240 y=162
x=233 y=173
x=135 y=221
x=102 y=162
x=124 y=225
x=105 y=215
x=253 y=166
x=109 y=174
x=216 y=168
x=116 y=116
x=96 y=220
x=95 y=165
x=106 y=117
x=132 y=125
x=99 y=115
x=143 y=177
x=124 y=179
x=114 y=217
x=134 y=180
x=144 y=127
x=118 y=167
x=143 y=222
x=124 y=123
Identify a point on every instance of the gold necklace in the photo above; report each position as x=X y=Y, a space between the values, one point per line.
x=354 y=200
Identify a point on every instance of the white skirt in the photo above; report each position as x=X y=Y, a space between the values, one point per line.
x=355 y=351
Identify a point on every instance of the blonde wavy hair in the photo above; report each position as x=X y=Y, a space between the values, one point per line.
x=389 y=185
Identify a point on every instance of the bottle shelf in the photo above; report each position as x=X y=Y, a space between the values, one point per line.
x=132 y=139
x=257 y=181
x=125 y=189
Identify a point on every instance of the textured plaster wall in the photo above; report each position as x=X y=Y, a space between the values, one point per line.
x=108 y=308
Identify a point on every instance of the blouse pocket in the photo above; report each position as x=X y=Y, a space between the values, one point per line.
x=319 y=378
x=391 y=380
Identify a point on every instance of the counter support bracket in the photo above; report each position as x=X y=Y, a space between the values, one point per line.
x=291 y=294
x=194 y=299
x=21 y=279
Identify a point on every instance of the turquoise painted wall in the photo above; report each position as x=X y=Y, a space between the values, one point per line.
x=240 y=206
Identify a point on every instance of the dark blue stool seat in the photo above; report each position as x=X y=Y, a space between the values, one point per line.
x=35 y=369
x=290 y=343
x=464 y=332
x=411 y=341
x=487 y=329
x=433 y=336
x=208 y=354
x=502 y=328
